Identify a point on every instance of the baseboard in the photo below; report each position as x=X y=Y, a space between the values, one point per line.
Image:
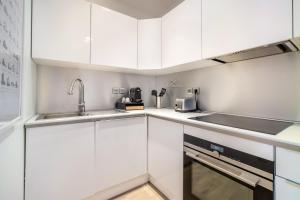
x=120 y=189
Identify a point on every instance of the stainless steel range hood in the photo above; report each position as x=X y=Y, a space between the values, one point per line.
x=269 y=50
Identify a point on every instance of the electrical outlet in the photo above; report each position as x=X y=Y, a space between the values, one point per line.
x=193 y=91
x=196 y=91
x=189 y=90
x=115 y=90
x=122 y=90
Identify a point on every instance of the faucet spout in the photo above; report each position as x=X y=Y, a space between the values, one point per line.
x=81 y=103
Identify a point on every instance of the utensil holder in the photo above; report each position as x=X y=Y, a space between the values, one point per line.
x=158 y=102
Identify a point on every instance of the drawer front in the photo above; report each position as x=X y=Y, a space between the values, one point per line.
x=258 y=149
x=288 y=164
x=286 y=190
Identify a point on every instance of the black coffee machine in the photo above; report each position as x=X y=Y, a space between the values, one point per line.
x=135 y=95
x=136 y=102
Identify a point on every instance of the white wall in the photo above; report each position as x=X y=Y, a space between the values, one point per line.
x=12 y=143
x=265 y=87
x=54 y=82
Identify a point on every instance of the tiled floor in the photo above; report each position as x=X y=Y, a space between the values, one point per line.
x=145 y=192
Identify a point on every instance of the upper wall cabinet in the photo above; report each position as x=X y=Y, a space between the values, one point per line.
x=114 y=38
x=234 y=25
x=61 y=30
x=296 y=18
x=181 y=34
x=149 y=43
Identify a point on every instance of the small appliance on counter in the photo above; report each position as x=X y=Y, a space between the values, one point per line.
x=133 y=102
x=135 y=95
x=188 y=103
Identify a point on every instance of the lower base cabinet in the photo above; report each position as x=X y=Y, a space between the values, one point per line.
x=165 y=157
x=121 y=151
x=60 y=162
x=286 y=190
x=287 y=180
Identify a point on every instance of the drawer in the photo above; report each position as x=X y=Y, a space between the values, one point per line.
x=288 y=164
x=286 y=190
x=252 y=147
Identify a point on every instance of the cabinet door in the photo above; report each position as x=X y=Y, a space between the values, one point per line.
x=149 y=43
x=296 y=4
x=234 y=25
x=61 y=30
x=181 y=34
x=121 y=151
x=114 y=38
x=286 y=190
x=287 y=164
x=60 y=162
x=165 y=157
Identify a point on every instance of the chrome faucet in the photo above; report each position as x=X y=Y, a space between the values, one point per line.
x=81 y=103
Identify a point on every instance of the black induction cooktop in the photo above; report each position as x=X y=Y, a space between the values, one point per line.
x=271 y=127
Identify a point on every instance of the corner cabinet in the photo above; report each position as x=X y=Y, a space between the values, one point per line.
x=234 y=25
x=61 y=30
x=296 y=5
x=165 y=157
x=149 y=44
x=60 y=162
x=113 y=38
x=181 y=34
x=121 y=151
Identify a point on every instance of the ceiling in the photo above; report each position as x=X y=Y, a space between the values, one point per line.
x=140 y=9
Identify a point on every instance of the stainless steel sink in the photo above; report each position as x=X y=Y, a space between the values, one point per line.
x=66 y=115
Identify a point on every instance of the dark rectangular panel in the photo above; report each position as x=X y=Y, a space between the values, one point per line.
x=271 y=127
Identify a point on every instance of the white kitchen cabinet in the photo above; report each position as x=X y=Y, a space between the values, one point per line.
x=286 y=190
x=287 y=164
x=121 y=151
x=181 y=34
x=165 y=157
x=61 y=30
x=149 y=44
x=114 y=38
x=60 y=162
x=296 y=5
x=234 y=25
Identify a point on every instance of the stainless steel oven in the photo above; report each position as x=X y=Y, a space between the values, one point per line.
x=216 y=172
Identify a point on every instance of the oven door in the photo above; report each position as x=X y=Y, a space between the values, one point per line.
x=207 y=178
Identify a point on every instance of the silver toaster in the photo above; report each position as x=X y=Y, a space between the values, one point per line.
x=186 y=104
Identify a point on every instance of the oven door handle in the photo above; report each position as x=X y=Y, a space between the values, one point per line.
x=234 y=172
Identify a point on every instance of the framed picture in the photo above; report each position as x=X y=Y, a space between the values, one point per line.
x=11 y=56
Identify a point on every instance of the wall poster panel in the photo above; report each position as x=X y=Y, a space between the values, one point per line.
x=11 y=50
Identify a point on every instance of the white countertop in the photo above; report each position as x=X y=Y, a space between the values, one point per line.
x=288 y=138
